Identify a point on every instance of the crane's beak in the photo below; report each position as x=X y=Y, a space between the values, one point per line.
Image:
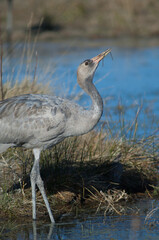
x=98 y=58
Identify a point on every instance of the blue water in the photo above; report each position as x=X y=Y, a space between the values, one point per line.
x=130 y=80
x=116 y=228
x=127 y=227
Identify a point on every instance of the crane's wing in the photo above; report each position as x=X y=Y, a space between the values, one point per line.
x=32 y=121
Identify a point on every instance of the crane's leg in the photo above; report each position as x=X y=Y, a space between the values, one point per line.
x=33 y=177
x=36 y=179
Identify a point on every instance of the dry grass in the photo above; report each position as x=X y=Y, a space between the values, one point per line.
x=109 y=201
x=78 y=173
x=24 y=87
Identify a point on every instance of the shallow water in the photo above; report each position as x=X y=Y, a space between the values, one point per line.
x=139 y=226
x=127 y=83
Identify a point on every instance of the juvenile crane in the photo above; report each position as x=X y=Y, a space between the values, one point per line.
x=41 y=121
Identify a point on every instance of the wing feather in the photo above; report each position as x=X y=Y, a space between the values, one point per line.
x=31 y=119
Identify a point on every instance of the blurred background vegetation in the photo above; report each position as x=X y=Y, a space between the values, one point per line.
x=69 y=18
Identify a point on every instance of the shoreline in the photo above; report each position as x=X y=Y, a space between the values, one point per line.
x=51 y=37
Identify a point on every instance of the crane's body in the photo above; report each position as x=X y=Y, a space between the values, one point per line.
x=41 y=121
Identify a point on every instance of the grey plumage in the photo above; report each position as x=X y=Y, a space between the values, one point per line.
x=35 y=121
x=41 y=121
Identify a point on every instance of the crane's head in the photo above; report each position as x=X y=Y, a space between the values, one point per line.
x=87 y=68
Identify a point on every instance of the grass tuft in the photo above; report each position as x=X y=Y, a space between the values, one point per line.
x=79 y=172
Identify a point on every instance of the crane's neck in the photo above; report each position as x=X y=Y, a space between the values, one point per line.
x=93 y=115
x=97 y=102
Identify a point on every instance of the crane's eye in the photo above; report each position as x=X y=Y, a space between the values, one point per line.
x=86 y=63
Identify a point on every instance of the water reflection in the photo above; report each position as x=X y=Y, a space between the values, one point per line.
x=35 y=235
x=131 y=227
x=135 y=227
